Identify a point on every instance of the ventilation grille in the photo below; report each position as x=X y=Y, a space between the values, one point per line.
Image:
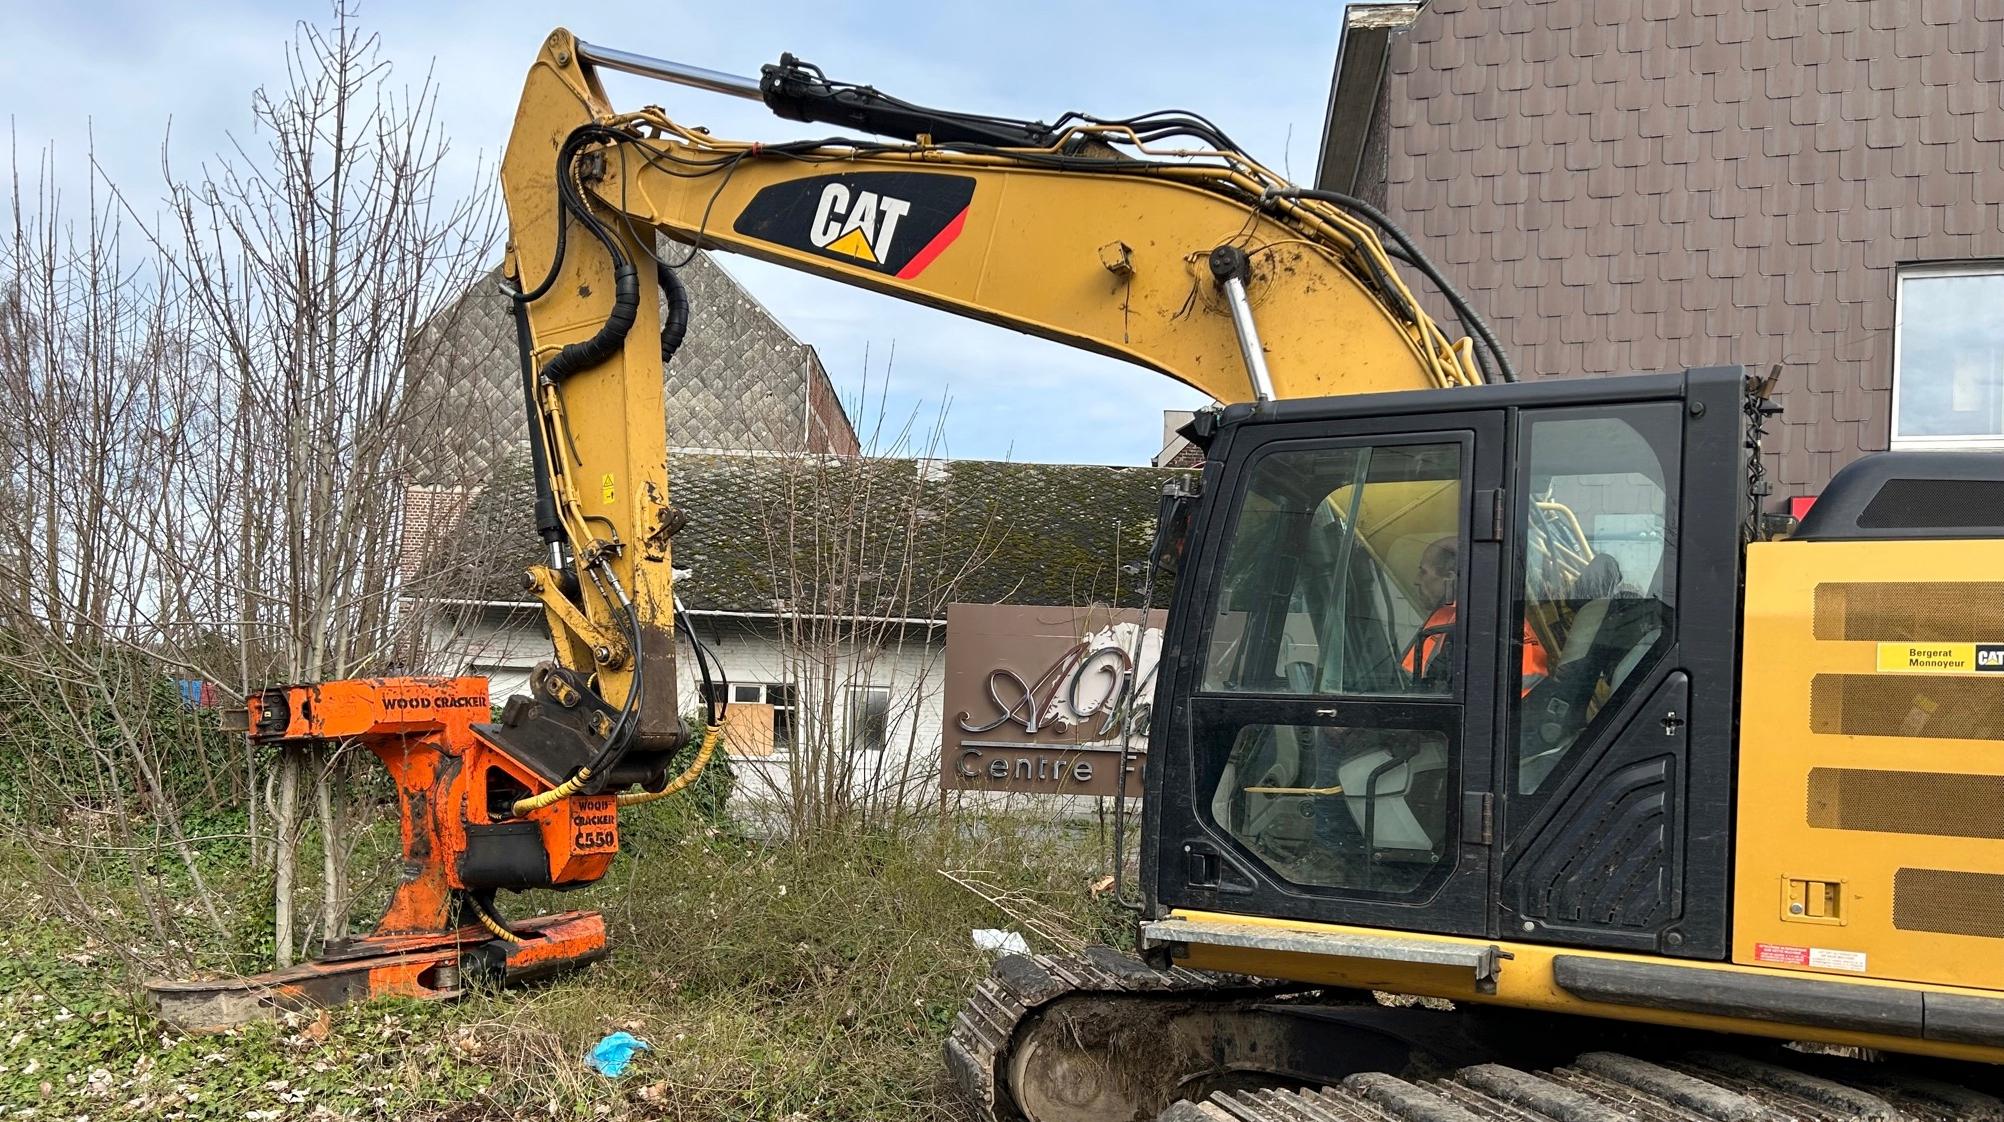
x=1912 y=611
x=1950 y=902
x=1930 y=504
x=1935 y=706
x=1907 y=802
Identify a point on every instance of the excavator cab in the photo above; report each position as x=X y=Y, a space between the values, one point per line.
x=1351 y=744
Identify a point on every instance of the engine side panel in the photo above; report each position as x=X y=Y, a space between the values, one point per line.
x=1871 y=810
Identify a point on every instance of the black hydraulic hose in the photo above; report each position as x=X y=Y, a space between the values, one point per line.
x=1475 y=324
x=576 y=357
x=676 y=327
x=556 y=263
x=548 y=526
x=1482 y=358
x=611 y=335
x=709 y=669
x=614 y=749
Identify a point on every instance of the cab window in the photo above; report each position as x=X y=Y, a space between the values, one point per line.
x=1342 y=575
x=1341 y=578
x=1599 y=566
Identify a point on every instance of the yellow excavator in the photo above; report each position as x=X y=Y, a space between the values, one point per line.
x=1503 y=765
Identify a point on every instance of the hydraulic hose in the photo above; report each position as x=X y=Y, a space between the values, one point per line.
x=611 y=335
x=491 y=921
x=562 y=790
x=1475 y=324
x=676 y=326
x=575 y=357
x=688 y=776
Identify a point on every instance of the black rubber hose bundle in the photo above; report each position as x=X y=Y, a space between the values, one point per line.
x=575 y=357
x=676 y=327
x=611 y=335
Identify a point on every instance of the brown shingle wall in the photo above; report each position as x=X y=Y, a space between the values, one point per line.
x=1633 y=185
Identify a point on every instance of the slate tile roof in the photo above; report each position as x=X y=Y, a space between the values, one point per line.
x=770 y=533
x=1627 y=186
x=741 y=380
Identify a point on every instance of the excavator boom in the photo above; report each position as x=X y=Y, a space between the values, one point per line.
x=1192 y=260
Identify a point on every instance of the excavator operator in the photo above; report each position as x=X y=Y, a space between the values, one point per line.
x=1425 y=658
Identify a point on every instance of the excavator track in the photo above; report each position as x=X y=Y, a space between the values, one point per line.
x=1063 y=1038
x=1610 y=1087
x=1022 y=988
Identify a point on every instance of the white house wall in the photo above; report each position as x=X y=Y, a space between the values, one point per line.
x=911 y=668
x=505 y=642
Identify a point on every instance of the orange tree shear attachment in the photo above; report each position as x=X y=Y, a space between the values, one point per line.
x=462 y=841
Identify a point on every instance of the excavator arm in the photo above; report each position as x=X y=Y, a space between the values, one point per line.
x=1150 y=239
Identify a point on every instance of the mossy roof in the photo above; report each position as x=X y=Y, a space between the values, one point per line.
x=867 y=536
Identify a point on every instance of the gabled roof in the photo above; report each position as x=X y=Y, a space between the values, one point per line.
x=740 y=381
x=866 y=537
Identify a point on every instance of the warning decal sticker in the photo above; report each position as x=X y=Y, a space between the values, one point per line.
x=1837 y=960
x=1821 y=958
x=1780 y=954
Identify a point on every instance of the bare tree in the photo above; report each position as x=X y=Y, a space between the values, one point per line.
x=861 y=555
x=312 y=265
x=101 y=437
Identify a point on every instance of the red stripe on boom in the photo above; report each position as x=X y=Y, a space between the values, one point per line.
x=934 y=247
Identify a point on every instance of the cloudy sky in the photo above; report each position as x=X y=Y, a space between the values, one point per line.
x=120 y=71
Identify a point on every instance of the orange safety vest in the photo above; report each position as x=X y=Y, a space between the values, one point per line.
x=1537 y=662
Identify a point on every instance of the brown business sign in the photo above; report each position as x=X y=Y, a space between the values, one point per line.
x=1039 y=698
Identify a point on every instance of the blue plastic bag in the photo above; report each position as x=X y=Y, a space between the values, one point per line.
x=610 y=1056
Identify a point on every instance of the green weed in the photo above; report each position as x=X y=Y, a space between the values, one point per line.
x=814 y=980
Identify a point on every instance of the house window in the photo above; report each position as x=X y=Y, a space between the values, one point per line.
x=780 y=697
x=1948 y=364
x=869 y=718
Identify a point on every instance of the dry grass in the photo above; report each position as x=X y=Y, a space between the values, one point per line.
x=814 y=980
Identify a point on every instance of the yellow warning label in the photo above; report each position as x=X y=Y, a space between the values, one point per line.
x=605 y=489
x=1941 y=658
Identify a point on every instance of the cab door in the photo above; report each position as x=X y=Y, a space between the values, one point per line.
x=1335 y=644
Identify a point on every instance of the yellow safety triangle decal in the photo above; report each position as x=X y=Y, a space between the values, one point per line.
x=854 y=244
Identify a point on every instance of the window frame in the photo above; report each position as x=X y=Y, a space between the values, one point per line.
x=1934 y=270
x=857 y=695
x=789 y=712
x=1463 y=443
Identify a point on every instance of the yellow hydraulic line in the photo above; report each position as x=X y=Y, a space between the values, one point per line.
x=576 y=782
x=493 y=923
x=688 y=776
x=562 y=790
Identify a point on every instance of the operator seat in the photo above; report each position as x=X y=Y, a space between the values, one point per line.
x=1611 y=633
